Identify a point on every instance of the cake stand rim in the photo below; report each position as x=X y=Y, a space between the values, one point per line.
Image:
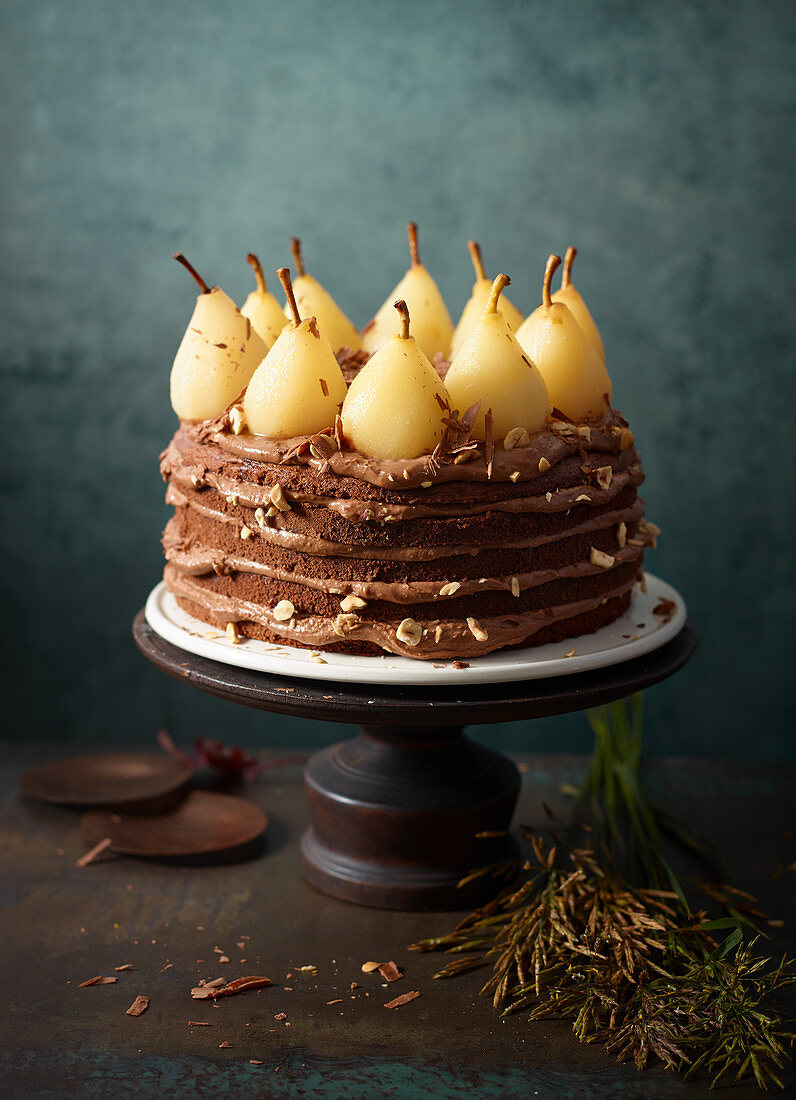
x=443 y=706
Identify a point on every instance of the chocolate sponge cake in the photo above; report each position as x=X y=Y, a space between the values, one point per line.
x=474 y=548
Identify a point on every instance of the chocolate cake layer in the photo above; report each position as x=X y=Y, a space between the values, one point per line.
x=453 y=555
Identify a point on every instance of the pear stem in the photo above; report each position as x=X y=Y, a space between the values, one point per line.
x=403 y=309
x=258 y=272
x=298 y=259
x=477 y=258
x=411 y=232
x=178 y=256
x=552 y=263
x=566 y=274
x=500 y=282
x=287 y=283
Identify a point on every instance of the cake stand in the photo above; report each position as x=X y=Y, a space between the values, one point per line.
x=397 y=811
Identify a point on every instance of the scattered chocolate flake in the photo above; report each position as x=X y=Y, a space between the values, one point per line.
x=98 y=980
x=225 y=1045
x=338 y=1001
x=461 y=664
x=223 y=958
x=338 y=432
x=216 y=988
x=489 y=443
x=390 y=972
x=255 y=1062
x=354 y=985
x=324 y=387
x=199 y=1023
x=139 y=1006
x=404 y=999
x=94 y=853
x=665 y=608
x=168 y=966
x=280 y=1016
x=124 y=966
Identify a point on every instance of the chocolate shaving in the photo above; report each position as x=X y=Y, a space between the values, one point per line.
x=338 y=1001
x=199 y=1023
x=139 y=1005
x=225 y=1045
x=94 y=852
x=489 y=443
x=461 y=664
x=665 y=608
x=338 y=432
x=125 y=966
x=98 y=980
x=390 y=972
x=324 y=387
x=239 y=985
x=404 y=999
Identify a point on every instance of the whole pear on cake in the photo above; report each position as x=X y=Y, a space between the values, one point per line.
x=298 y=388
x=395 y=405
x=576 y=305
x=575 y=375
x=482 y=288
x=262 y=308
x=431 y=323
x=492 y=368
x=217 y=356
x=314 y=300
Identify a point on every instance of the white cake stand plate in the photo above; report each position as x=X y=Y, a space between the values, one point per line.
x=636 y=633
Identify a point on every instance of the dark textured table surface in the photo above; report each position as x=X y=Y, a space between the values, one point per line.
x=62 y=925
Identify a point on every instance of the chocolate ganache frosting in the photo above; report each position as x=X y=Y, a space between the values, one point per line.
x=477 y=547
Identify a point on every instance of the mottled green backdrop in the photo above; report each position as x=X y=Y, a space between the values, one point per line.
x=654 y=136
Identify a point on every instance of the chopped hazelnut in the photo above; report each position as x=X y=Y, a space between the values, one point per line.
x=283 y=611
x=277 y=498
x=450 y=588
x=514 y=475
x=603 y=476
x=409 y=632
x=544 y=465
x=621 y=534
x=517 y=437
x=232 y=634
x=515 y=586
x=352 y=603
x=599 y=557
x=245 y=532
x=237 y=420
x=477 y=630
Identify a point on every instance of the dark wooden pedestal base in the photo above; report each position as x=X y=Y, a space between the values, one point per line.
x=396 y=813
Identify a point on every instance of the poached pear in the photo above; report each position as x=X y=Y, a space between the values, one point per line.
x=482 y=288
x=576 y=305
x=492 y=368
x=298 y=388
x=314 y=300
x=391 y=410
x=575 y=375
x=217 y=355
x=431 y=323
x=262 y=308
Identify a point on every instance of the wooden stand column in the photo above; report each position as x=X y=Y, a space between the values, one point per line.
x=396 y=813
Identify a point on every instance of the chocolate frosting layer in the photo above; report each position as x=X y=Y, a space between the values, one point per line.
x=444 y=639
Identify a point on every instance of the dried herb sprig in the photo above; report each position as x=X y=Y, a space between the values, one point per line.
x=600 y=933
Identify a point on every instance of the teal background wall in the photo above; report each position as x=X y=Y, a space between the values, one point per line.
x=656 y=137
